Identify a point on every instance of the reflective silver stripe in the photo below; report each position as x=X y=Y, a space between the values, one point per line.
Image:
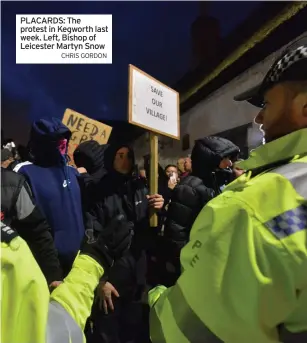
x=296 y=173
x=156 y=331
x=61 y=328
x=188 y=321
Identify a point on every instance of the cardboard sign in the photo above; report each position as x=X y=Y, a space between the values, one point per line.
x=84 y=129
x=153 y=105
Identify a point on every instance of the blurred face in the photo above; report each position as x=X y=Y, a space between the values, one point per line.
x=188 y=164
x=6 y=163
x=225 y=163
x=123 y=161
x=180 y=165
x=284 y=111
x=171 y=171
x=143 y=173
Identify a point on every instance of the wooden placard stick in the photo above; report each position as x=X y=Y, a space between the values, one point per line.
x=153 y=174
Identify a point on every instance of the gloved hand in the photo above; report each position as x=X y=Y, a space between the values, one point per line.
x=111 y=243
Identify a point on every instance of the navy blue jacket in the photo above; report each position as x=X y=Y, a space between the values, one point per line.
x=55 y=187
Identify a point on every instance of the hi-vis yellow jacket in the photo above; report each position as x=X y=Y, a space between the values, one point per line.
x=244 y=277
x=29 y=314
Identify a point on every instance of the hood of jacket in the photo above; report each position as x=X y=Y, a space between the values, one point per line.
x=109 y=156
x=90 y=155
x=44 y=141
x=207 y=154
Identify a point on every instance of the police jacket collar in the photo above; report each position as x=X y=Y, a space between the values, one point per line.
x=282 y=149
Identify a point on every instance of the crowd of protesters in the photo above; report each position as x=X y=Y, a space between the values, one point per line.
x=227 y=262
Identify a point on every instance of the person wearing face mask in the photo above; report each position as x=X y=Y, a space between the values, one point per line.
x=117 y=316
x=55 y=186
x=244 y=270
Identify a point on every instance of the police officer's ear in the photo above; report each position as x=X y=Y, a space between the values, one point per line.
x=305 y=111
x=298 y=93
x=300 y=103
x=304 y=104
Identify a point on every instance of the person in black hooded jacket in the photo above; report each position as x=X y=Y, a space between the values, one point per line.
x=90 y=156
x=89 y=159
x=120 y=192
x=211 y=159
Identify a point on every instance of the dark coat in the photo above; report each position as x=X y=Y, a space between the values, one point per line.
x=194 y=191
x=121 y=194
x=206 y=156
x=90 y=155
x=19 y=212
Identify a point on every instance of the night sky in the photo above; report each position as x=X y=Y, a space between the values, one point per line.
x=154 y=36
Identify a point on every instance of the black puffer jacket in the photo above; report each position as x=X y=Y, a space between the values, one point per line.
x=188 y=198
x=13 y=165
x=122 y=194
x=206 y=156
x=195 y=190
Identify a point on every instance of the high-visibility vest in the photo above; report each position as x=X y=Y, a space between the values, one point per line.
x=244 y=276
x=29 y=314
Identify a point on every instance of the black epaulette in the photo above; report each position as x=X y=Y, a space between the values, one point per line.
x=7 y=234
x=269 y=167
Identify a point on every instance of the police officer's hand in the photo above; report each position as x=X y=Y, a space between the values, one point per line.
x=111 y=243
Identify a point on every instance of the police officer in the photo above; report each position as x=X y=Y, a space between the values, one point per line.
x=244 y=273
x=28 y=312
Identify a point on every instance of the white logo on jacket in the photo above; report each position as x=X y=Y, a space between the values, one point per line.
x=65 y=183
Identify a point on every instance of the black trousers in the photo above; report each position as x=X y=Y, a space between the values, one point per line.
x=126 y=323
x=121 y=326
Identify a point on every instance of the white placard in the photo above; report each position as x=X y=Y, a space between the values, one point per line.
x=153 y=105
